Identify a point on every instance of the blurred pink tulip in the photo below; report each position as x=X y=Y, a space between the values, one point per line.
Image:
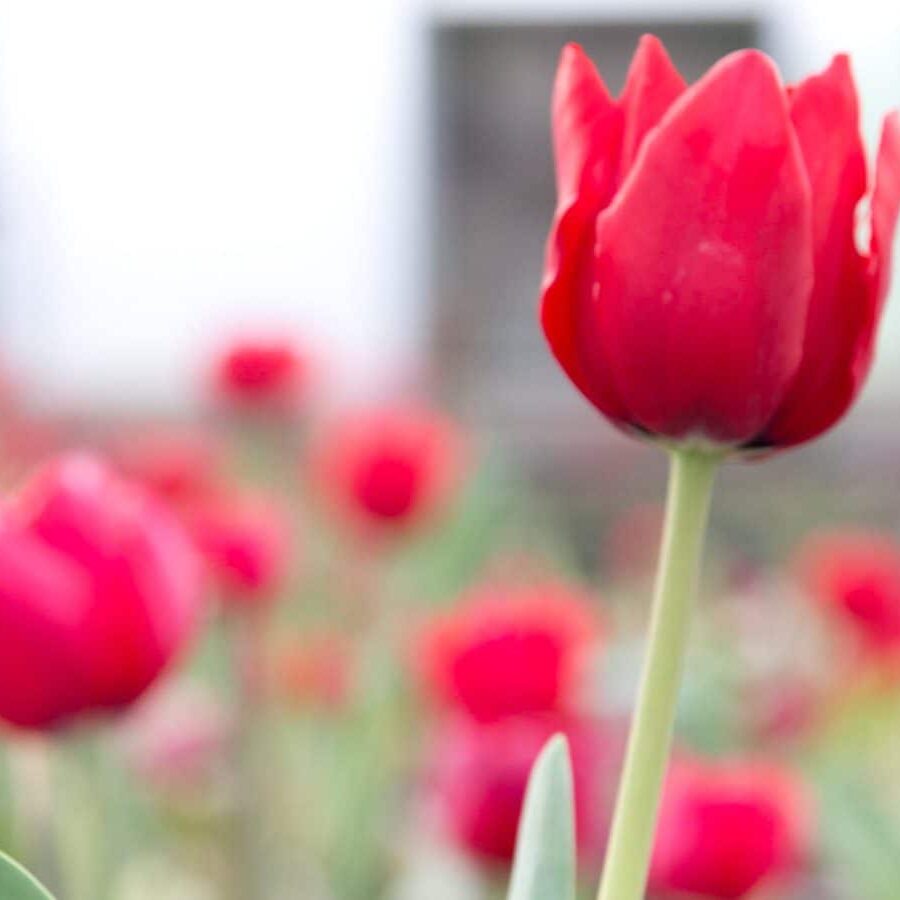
x=388 y=470
x=478 y=774
x=855 y=576
x=101 y=588
x=246 y=539
x=729 y=828
x=509 y=650
x=267 y=373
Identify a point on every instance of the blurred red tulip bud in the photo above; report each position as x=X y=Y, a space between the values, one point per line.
x=855 y=576
x=387 y=470
x=101 y=588
x=703 y=281
x=246 y=539
x=479 y=773
x=262 y=373
x=729 y=828
x=505 y=651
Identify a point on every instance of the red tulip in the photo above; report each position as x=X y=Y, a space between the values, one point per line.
x=386 y=470
x=267 y=373
x=509 y=651
x=729 y=828
x=44 y=601
x=479 y=773
x=856 y=577
x=101 y=589
x=703 y=281
x=245 y=539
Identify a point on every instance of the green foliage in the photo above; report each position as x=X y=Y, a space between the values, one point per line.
x=545 y=854
x=17 y=884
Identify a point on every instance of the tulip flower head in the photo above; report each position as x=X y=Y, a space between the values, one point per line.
x=385 y=471
x=101 y=588
x=856 y=578
x=508 y=651
x=479 y=773
x=703 y=282
x=246 y=540
x=730 y=828
x=268 y=374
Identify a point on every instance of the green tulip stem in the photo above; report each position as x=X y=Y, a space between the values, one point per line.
x=248 y=852
x=79 y=811
x=634 y=820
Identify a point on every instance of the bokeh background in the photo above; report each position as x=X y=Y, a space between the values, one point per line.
x=373 y=182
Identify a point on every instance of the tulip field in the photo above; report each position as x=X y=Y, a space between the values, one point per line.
x=299 y=649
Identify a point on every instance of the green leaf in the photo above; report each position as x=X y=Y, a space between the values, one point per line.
x=17 y=884
x=544 y=868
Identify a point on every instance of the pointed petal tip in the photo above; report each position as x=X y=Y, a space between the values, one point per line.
x=751 y=61
x=648 y=41
x=652 y=45
x=575 y=68
x=747 y=72
x=837 y=76
x=572 y=58
x=572 y=49
x=841 y=61
x=840 y=69
x=578 y=90
x=651 y=56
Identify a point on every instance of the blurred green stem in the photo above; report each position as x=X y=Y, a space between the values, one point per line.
x=78 y=817
x=247 y=634
x=10 y=827
x=631 y=840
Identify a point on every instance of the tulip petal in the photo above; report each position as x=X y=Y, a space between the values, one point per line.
x=43 y=600
x=653 y=84
x=850 y=288
x=703 y=266
x=825 y=114
x=587 y=131
x=885 y=205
